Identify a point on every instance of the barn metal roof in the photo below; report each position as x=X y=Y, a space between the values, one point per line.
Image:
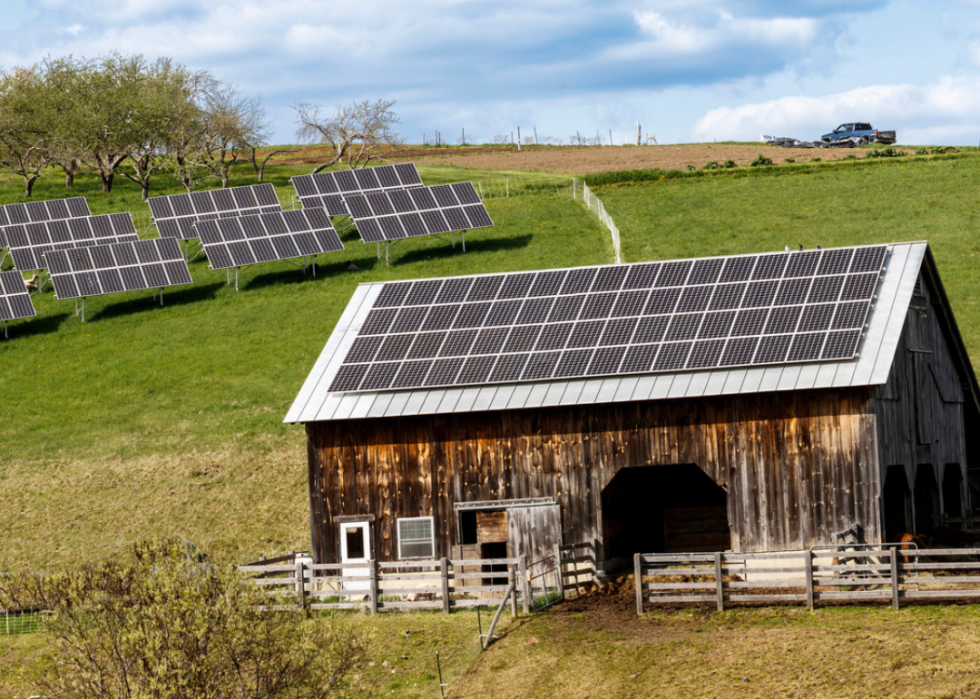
x=876 y=352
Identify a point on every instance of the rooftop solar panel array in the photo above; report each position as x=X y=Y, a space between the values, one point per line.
x=385 y=216
x=29 y=242
x=327 y=190
x=236 y=242
x=684 y=315
x=176 y=214
x=110 y=269
x=15 y=301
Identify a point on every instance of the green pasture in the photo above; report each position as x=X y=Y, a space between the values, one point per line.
x=167 y=420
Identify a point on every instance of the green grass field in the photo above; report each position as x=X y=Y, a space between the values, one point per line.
x=150 y=420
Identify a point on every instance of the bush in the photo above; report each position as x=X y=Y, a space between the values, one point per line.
x=790 y=160
x=921 y=151
x=171 y=625
x=884 y=153
x=728 y=164
x=761 y=160
x=816 y=160
x=711 y=165
x=850 y=156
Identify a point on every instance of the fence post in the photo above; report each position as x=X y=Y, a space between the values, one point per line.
x=894 y=578
x=444 y=571
x=512 y=580
x=373 y=584
x=808 y=572
x=525 y=585
x=638 y=577
x=719 y=582
x=300 y=583
x=561 y=583
x=507 y=185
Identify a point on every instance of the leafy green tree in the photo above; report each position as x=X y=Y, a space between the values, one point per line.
x=25 y=118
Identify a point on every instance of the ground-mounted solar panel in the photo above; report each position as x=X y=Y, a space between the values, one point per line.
x=329 y=190
x=15 y=300
x=41 y=211
x=29 y=242
x=387 y=216
x=686 y=315
x=118 y=267
x=282 y=235
x=176 y=215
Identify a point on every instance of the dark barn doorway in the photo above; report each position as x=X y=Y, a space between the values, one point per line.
x=651 y=509
x=897 y=498
x=953 y=490
x=926 y=500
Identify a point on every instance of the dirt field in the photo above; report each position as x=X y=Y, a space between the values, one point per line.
x=581 y=161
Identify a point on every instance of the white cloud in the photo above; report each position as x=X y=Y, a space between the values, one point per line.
x=942 y=112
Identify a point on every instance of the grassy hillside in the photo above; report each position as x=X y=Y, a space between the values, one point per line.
x=151 y=420
x=167 y=420
x=935 y=200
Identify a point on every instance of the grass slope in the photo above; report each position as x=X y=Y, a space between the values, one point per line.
x=933 y=200
x=834 y=653
x=168 y=420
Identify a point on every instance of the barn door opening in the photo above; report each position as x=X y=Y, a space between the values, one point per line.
x=926 y=500
x=651 y=509
x=897 y=498
x=952 y=491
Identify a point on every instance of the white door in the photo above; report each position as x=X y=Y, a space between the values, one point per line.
x=355 y=547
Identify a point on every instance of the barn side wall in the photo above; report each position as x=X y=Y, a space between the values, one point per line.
x=920 y=410
x=799 y=468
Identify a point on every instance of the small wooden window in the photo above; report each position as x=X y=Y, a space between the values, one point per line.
x=416 y=538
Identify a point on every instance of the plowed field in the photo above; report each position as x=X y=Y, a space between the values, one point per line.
x=571 y=160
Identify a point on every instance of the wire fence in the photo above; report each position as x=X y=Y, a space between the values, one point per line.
x=581 y=191
x=574 y=188
x=15 y=623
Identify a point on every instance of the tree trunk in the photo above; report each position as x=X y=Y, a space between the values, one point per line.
x=145 y=188
x=29 y=185
x=69 y=179
x=106 y=179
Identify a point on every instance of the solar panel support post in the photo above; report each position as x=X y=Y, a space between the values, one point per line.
x=5 y=335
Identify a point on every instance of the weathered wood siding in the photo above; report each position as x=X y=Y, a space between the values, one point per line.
x=921 y=421
x=799 y=468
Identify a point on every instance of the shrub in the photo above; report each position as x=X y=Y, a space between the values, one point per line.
x=171 y=625
x=790 y=160
x=761 y=160
x=728 y=164
x=884 y=153
x=850 y=156
x=921 y=151
x=816 y=160
x=711 y=165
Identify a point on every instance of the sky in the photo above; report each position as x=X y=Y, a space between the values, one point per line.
x=687 y=70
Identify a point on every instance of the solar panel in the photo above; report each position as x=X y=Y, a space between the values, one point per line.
x=329 y=190
x=110 y=269
x=40 y=211
x=280 y=235
x=29 y=242
x=175 y=215
x=15 y=300
x=392 y=215
x=685 y=315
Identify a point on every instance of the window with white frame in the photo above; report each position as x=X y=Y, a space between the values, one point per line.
x=416 y=538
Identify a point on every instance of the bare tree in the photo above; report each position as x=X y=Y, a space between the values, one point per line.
x=359 y=132
x=259 y=165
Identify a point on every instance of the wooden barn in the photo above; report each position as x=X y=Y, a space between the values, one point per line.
x=763 y=402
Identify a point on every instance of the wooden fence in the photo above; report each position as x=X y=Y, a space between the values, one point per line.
x=443 y=583
x=375 y=586
x=807 y=577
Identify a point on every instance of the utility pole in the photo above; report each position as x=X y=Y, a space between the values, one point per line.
x=535 y=135
x=637 y=132
x=518 y=139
